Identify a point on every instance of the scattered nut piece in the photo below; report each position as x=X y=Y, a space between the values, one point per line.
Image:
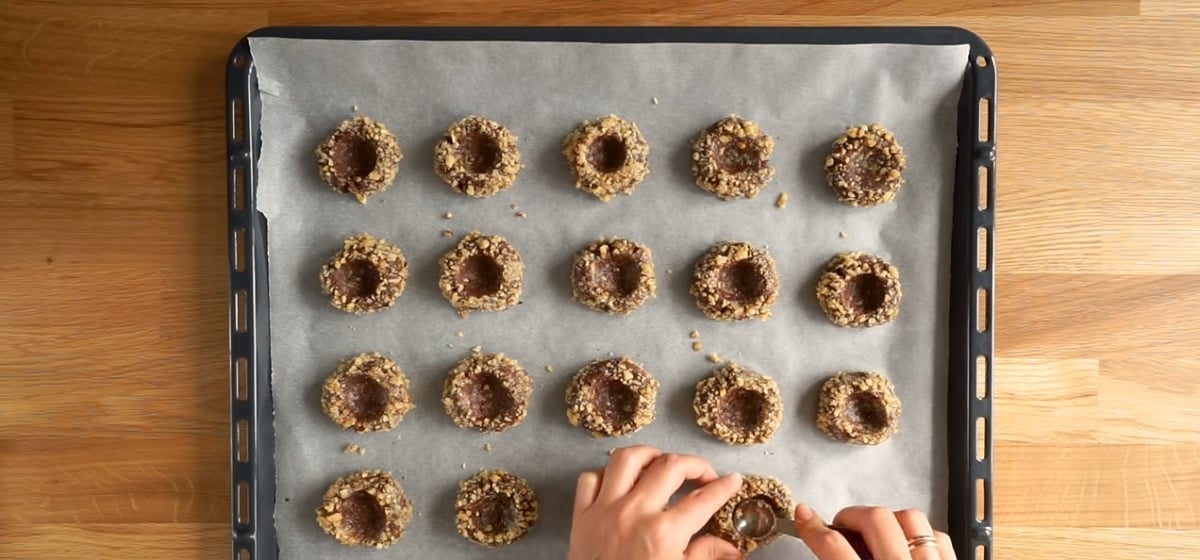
x=694 y=334
x=654 y=100
x=521 y=214
x=716 y=359
x=696 y=346
x=487 y=447
x=782 y=201
x=842 y=234
x=549 y=368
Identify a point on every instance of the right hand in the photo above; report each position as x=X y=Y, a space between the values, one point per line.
x=886 y=533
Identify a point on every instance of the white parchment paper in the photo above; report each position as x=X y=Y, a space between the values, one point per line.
x=803 y=95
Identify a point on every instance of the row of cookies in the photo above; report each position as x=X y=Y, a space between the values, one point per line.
x=732 y=281
x=609 y=397
x=731 y=158
x=493 y=508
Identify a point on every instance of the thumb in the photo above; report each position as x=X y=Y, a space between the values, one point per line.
x=709 y=547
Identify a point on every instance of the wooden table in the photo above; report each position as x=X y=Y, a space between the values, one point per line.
x=113 y=373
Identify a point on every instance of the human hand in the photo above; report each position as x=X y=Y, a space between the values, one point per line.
x=902 y=535
x=621 y=512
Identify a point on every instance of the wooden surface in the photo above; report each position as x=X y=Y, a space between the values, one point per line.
x=113 y=372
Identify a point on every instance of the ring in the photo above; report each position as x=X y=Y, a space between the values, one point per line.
x=922 y=541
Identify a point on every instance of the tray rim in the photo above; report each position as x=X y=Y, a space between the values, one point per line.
x=972 y=310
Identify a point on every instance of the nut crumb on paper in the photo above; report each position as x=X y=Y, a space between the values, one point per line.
x=782 y=201
x=696 y=346
x=715 y=358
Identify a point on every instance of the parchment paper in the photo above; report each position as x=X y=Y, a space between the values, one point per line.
x=803 y=95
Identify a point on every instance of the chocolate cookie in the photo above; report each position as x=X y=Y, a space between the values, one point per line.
x=866 y=166
x=613 y=276
x=366 y=508
x=487 y=392
x=477 y=157
x=732 y=158
x=612 y=397
x=483 y=273
x=495 y=508
x=367 y=275
x=764 y=488
x=859 y=290
x=858 y=407
x=608 y=156
x=367 y=393
x=735 y=281
x=360 y=158
x=738 y=406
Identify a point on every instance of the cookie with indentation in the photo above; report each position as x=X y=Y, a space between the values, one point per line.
x=737 y=405
x=367 y=393
x=608 y=156
x=487 y=392
x=765 y=488
x=612 y=397
x=613 y=276
x=866 y=166
x=859 y=407
x=859 y=290
x=367 y=275
x=734 y=282
x=483 y=273
x=477 y=157
x=366 y=508
x=495 y=508
x=732 y=158
x=361 y=158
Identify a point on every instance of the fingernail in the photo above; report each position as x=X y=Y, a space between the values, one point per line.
x=804 y=514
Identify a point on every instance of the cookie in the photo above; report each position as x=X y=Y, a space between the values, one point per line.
x=858 y=407
x=765 y=488
x=361 y=158
x=366 y=508
x=734 y=282
x=859 y=290
x=495 y=508
x=866 y=166
x=366 y=393
x=477 y=157
x=738 y=406
x=367 y=275
x=613 y=397
x=483 y=273
x=608 y=156
x=732 y=158
x=613 y=276
x=487 y=392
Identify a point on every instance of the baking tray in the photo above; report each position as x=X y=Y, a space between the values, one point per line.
x=971 y=295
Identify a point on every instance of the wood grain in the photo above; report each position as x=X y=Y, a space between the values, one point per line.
x=113 y=371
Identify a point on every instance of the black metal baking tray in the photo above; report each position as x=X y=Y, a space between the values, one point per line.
x=969 y=410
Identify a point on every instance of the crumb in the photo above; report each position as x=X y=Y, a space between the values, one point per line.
x=654 y=100
x=694 y=334
x=449 y=215
x=514 y=207
x=612 y=450
x=459 y=334
x=782 y=201
x=696 y=346
x=842 y=234
x=714 y=358
x=476 y=349
x=549 y=368
x=611 y=354
x=397 y=437
x=351 y=448
x=487 y=447
x=447 y=233
x=670 y=271
x=464 y=466
x=354 y=108
x=521 y=214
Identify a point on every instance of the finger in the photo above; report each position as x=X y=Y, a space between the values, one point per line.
x=914 y=524
x=666 y=474
x=585 y=490
x=623 y=470
x=945 y=546
x=878 y=527
x=708 y=547
x=694 y=510
x=825 y=543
